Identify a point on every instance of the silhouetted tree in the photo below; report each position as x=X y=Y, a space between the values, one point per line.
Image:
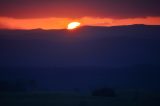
x=105 y=92
x=18 y=85
x=4 y=86
x=32 y=84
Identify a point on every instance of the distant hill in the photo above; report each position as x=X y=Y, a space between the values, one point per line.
x=86 y=46
x=85 y=58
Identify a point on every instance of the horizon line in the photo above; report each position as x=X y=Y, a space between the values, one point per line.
x=77 y=28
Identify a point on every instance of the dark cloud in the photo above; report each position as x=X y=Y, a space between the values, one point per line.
x=79 y=8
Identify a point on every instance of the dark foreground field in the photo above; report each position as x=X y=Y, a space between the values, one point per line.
x=123 y=98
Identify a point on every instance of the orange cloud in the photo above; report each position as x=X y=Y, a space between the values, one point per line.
x=44 y=23
x=61 y=23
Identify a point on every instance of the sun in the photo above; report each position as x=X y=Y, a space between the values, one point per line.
x=73 y=25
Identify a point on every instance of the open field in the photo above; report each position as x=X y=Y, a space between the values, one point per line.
x=123 y=98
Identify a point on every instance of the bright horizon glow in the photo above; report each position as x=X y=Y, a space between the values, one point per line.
x=73 y=25
x=62 y=23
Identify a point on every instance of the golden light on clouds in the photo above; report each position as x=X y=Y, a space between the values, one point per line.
x=61 y=23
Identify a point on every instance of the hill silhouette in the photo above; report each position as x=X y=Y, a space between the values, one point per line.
x=104 y=46
x=115 y=56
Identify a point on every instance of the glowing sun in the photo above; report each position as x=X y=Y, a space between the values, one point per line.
x=73 y=25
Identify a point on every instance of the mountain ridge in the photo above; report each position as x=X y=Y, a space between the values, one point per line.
x=83 y=27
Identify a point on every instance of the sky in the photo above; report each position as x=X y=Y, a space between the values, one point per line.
x=56 y=14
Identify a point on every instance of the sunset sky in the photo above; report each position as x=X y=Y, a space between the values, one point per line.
x=56 y=14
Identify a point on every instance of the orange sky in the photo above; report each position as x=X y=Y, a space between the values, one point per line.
x=56 y=14
x=61 y=23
